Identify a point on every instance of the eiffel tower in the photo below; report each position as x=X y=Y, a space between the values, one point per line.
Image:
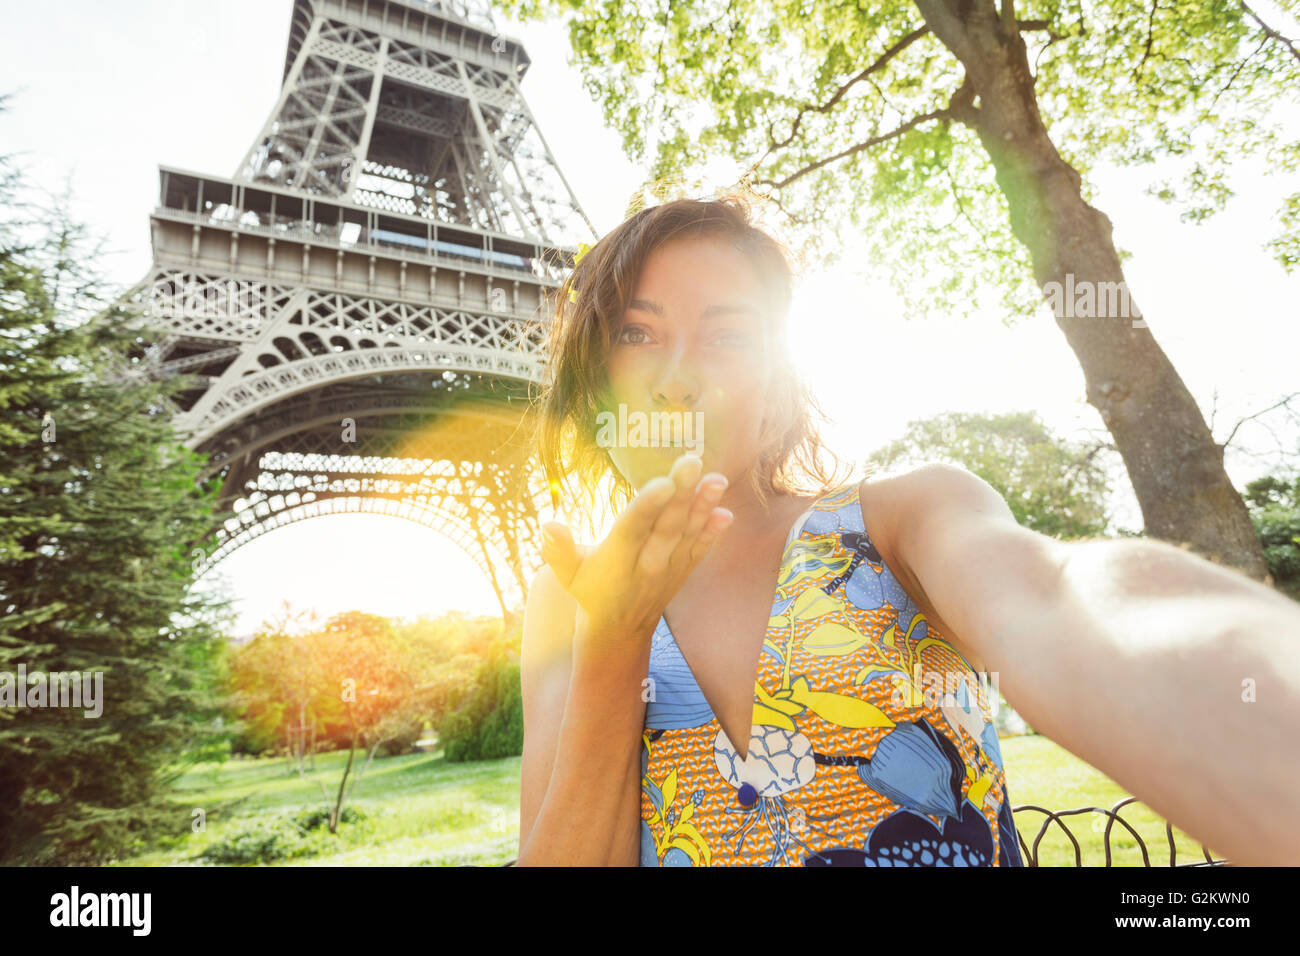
x=356 y=306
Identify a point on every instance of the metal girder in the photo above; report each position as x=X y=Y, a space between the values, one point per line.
x=360 y=301
x=463 y=466
x=348 y=69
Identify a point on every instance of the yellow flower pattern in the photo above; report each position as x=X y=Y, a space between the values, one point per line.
x=872 y=740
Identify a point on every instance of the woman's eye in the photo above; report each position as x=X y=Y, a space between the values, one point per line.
x=629 y=335
x=731 y=338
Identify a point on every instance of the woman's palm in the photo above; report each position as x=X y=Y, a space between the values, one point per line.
x=628 y=578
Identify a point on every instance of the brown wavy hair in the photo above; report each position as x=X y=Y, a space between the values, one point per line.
x=589 y=308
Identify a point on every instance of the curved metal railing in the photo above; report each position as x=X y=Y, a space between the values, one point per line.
x=1113 y=817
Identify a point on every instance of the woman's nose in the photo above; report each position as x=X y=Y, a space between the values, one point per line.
x=678 y=384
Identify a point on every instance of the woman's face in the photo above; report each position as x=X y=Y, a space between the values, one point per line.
x=693 y=341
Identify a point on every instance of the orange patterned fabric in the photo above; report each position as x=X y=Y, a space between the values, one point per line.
x=872 y=741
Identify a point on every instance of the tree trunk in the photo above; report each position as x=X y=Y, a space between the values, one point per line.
x=1172 y=459
x=343 y=783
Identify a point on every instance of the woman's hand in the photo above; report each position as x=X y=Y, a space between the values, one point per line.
x=623 y=584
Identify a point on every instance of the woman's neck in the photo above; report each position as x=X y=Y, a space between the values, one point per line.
x=755 y=518
x=754 y=538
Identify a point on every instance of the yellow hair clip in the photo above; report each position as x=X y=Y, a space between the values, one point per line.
x=583 y=249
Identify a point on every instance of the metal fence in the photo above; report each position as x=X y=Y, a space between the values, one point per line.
x=1030 y=853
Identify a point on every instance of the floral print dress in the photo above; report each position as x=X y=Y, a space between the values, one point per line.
x=872 y=740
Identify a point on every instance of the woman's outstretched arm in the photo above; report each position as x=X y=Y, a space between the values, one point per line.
x=1176 y=677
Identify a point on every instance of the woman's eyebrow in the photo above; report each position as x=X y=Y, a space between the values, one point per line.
x=741 y=307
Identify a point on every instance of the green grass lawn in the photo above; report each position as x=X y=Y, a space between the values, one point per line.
x=420 y=810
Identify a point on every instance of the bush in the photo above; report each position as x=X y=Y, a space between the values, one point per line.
x=318 y=817
x=250 y=741
x=275 y=838
x=489 y=723
x=266 y=841
x=403 y=742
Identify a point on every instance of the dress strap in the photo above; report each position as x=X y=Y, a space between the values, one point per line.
x=836 y=498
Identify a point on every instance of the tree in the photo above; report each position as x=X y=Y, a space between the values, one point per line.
x=448 y=653
x=276 y=687
x=1052 y=487
x=99 y=499
x=958 y=136
x=353 y=682
x=1274 y=502
x=488 y=721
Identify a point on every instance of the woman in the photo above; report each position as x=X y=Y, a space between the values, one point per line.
x=761 y=664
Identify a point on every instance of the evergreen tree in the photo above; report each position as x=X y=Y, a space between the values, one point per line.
x=100 y=509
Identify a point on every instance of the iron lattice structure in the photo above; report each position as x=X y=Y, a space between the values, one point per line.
x=356 y=307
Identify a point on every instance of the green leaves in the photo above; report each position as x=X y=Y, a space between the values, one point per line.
x=1113 y=81
x=1052 y=486
x=96 y=494
x=1274 y=504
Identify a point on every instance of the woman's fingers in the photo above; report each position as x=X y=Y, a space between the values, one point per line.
x=667 y=531
x=638 y=518
x=669 y=524
x=659 y=528
x=707 y=495
x=704 y=510
x=718 y=521
x=560 y=552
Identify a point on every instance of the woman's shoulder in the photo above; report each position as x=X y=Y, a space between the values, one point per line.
x=890 y=503
x=896 y=493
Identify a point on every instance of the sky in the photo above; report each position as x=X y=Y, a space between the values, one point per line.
x=105 y=93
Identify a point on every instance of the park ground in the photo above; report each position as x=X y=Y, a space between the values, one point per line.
x=422 y=810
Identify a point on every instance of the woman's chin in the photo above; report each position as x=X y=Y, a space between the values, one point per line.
x=655 y=462
x=673 y=452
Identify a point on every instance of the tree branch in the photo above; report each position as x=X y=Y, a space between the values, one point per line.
x=1224 y=444
x=794 y=220
x=839 y=94
x=1146 y=54
x=961 y=210
x=1270 y=32
x=659 y=63
x=866 y=144
x=1235 y=73
x=960 y=107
